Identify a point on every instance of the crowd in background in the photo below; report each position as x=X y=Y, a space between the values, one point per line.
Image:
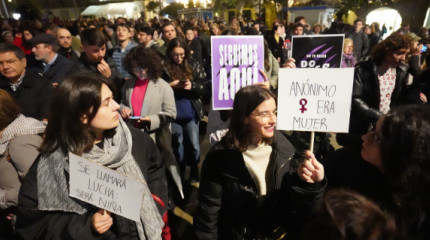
x=66 y=84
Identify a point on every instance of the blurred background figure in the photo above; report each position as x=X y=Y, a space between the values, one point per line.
x=346 y=215
x=20 y=138
x=348 y=59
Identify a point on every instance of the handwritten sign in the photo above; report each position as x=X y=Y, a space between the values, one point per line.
x=236 y=61
x=315 y=99
x=105 y=188
x=317 y=51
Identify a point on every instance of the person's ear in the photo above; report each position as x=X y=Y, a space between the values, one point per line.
x=24 y=62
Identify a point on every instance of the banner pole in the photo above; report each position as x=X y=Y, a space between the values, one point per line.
x=312 y=141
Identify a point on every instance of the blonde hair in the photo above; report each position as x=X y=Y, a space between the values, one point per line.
x=346 y=41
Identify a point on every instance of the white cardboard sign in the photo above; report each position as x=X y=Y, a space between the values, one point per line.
x=317 y=100
x=105 y=188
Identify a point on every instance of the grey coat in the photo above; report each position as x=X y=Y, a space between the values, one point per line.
x=272 y=73
x=14 y=165
x=158 y=104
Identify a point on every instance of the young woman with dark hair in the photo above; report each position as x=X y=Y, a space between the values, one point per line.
x=392 y=168
x=249 y=189
x=185 y=76
x=149 y=98
x=85 y=121
x=401 y=140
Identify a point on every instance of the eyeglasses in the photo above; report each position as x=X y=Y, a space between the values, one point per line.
x=376 y=138
x=266 y=115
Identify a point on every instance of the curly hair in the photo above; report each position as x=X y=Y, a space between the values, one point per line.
x=183 y=70
x=391 y=44
x=145 y=58
x=405 y=152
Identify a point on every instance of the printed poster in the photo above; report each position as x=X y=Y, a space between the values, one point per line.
x=318 y=51
x=236 y=61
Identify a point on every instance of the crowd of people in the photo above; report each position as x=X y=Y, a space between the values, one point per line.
x=131 y=95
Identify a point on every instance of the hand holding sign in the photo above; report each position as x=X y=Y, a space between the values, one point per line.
x=106 y=189
x=101 y=221
x=311 y=171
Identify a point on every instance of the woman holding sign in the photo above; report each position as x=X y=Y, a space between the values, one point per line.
x=85 y=121
x=248 y=188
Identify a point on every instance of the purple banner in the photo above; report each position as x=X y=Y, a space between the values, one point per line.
x=318 y=51
x=236 y=61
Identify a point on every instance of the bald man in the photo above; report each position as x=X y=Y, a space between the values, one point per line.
x=64 y=38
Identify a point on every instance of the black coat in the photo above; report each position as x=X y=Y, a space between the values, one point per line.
x=33 y=95
x=197 y=86
x=421 y=84
x=229 y=207
x=345 y=168
x=83 y=65
x=69 y=53
x=196 y=49
x=276 y=47
x=366 y=95
x=57 y=71
x=34 y=224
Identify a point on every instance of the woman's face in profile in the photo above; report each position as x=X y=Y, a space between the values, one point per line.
x=395 y=58
x=107 y=116
x=371 y=151
x=261 y=122
x=27 y=35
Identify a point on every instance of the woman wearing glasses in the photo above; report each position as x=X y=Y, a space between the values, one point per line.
x=147 y=100
x=398 y=149
x=248 y=188
x=185 y=76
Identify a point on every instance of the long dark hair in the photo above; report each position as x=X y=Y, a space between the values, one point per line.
x=405 y=151
x=77 y=95
x=246 y=101
x=345 y=214
x=184 y=70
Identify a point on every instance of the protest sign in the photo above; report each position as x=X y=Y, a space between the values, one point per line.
x=314 y=99
x=105 y=188
x=317 y=51
x=236 y=61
